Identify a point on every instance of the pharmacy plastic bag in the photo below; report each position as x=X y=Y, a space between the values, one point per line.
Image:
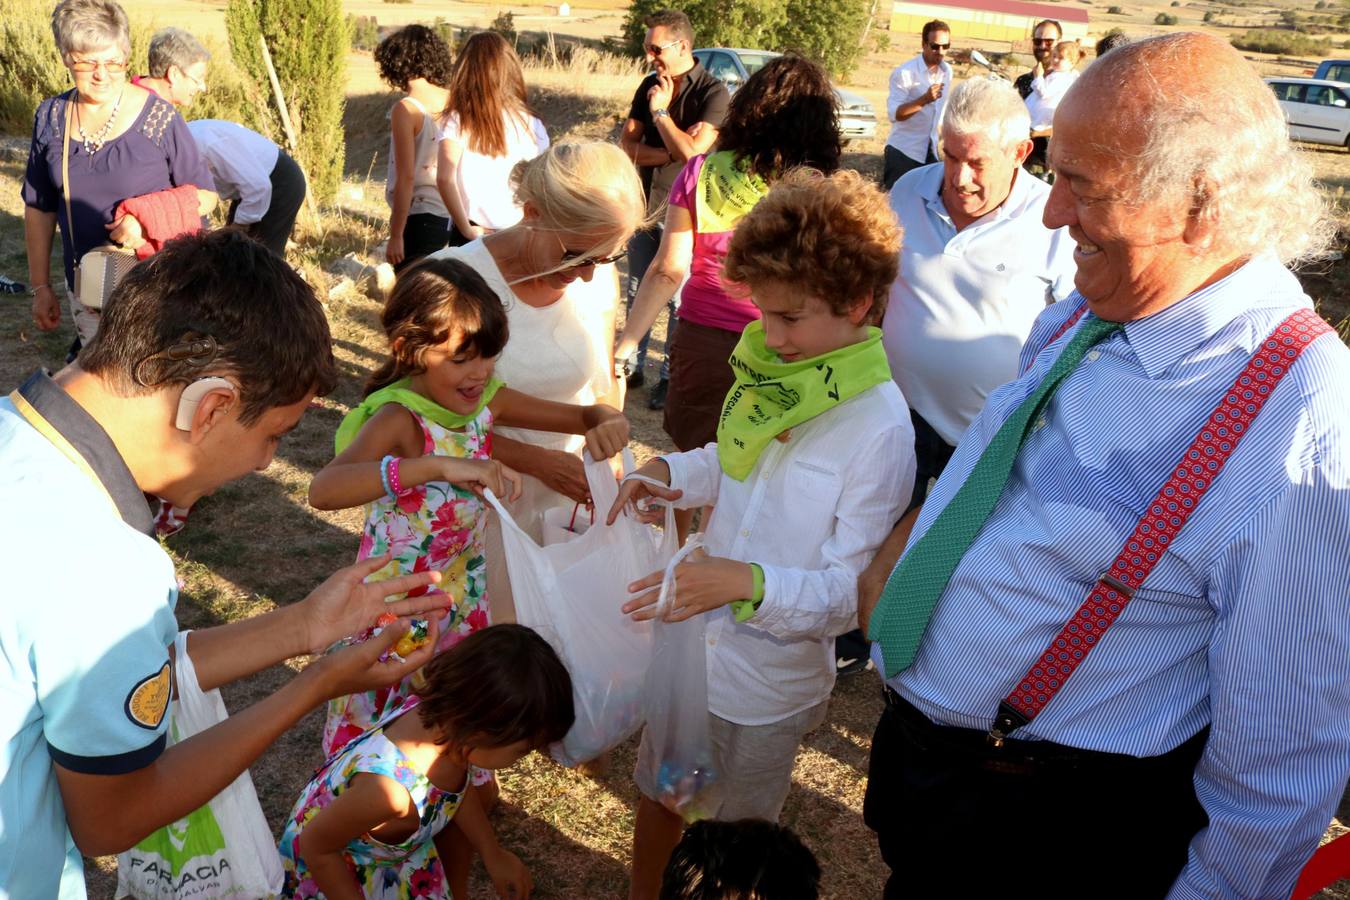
x=222 y=850
x=571 y=593
x=677 y=750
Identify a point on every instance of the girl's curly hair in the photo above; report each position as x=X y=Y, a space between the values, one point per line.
x=785 y=115
x=413 y=52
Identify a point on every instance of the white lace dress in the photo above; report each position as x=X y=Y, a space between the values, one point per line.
x=558 y=352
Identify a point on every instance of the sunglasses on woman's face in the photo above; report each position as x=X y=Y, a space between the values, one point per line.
x=572 y=259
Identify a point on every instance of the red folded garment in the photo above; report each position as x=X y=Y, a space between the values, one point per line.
x=163 y=215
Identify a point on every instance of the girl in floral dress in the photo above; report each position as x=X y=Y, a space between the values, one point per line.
x=372 y=822
x=416 y=452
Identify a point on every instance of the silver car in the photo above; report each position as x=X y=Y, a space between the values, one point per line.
x=732 y=65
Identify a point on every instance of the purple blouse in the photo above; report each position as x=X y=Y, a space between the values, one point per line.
x=156 y=153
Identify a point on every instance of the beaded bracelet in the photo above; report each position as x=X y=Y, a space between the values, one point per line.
x=384 y=475
x=394 y=483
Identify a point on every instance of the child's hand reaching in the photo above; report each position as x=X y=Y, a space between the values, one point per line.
x=509 y=875
x=631 y=490
x=477 y=474
x=609 y=433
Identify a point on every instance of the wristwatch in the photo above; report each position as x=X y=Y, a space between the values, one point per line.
x=658 y=113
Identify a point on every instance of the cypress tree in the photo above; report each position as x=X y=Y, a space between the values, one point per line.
x=308 y=41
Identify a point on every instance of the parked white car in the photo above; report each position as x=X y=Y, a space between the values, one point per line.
x=1318 y=110
x=732 y=65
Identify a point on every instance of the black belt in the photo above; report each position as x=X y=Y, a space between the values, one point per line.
x=1019 y=757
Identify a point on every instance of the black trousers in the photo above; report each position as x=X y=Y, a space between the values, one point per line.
x=895 y=164
x=931 y=455
x=288 y=193
x=956 y=816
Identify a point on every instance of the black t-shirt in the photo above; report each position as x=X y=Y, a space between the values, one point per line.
x=700 y=98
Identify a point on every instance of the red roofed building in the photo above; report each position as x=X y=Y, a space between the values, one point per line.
x=990 y=20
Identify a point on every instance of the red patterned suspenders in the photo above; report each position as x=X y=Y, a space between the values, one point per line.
x=1192 y=476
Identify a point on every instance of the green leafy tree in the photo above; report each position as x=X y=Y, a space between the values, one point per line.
x=308 y=41
x=717 y=23
x=827 y=31
x=832 y=32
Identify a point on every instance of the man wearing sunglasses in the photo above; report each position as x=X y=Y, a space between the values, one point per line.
x=675 y=115
x=1044 y=36
x=915 y=104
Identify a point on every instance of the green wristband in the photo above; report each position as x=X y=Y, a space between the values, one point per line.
x=744 y=609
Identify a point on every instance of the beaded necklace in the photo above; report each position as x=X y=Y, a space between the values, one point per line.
x=94 y=142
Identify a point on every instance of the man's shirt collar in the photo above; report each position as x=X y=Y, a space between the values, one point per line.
x=89 y=439
x=1163 y=339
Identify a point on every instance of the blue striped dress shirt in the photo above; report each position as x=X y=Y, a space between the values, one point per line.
x=1244 y=624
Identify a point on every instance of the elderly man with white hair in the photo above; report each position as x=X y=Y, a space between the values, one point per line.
x=976 y=269
x=1117 y=646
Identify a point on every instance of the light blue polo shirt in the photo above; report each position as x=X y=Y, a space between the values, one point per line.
x=86 y=619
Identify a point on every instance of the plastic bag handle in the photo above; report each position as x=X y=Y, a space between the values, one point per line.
x=667 y=597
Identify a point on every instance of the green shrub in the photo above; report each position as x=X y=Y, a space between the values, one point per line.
x=1165 y=19
x=365 y=32
x=1265 y=40
x=308 y=41
x=505 y=25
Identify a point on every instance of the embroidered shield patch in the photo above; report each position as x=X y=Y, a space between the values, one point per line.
x=149 y=699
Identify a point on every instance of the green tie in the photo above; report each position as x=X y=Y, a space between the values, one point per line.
x=911 y=593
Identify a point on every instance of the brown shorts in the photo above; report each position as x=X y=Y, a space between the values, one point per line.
x=699 y=380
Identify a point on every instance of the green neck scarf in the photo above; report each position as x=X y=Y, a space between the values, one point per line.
x=404 y=396
x=724 y=193
x=771 y=396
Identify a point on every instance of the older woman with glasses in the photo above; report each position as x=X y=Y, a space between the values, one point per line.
x=115 y=139
x=554 y=272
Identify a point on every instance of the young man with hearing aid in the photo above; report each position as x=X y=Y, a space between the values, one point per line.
x=208 y=354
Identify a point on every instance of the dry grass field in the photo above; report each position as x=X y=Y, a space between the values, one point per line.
x=256 y=544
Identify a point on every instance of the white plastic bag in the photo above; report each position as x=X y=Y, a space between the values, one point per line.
x=223 y=849
x=677 y=755
x=571 y=593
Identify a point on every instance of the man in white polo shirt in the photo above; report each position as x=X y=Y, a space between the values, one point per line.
x=976 y=269
x=914 y=104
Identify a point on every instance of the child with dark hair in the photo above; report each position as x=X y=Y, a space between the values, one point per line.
x=373 y=820
x=747 y=860
x=415 y=60
x=416 y=452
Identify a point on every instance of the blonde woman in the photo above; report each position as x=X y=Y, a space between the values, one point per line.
x=554 y=272
x=487 y=129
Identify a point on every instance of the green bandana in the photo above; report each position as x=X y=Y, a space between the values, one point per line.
x=404 y=396
x=771 y=396
x=724 y=193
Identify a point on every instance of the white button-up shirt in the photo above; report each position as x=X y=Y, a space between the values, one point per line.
x=965 y=301
x=241 y=162
x=909 y=82
x=812 y=514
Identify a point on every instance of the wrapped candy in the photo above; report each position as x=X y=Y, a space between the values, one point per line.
x=417 y=637
x=682 y=789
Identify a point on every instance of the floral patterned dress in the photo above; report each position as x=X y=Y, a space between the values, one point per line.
x=434 y=527
x=399 y=871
